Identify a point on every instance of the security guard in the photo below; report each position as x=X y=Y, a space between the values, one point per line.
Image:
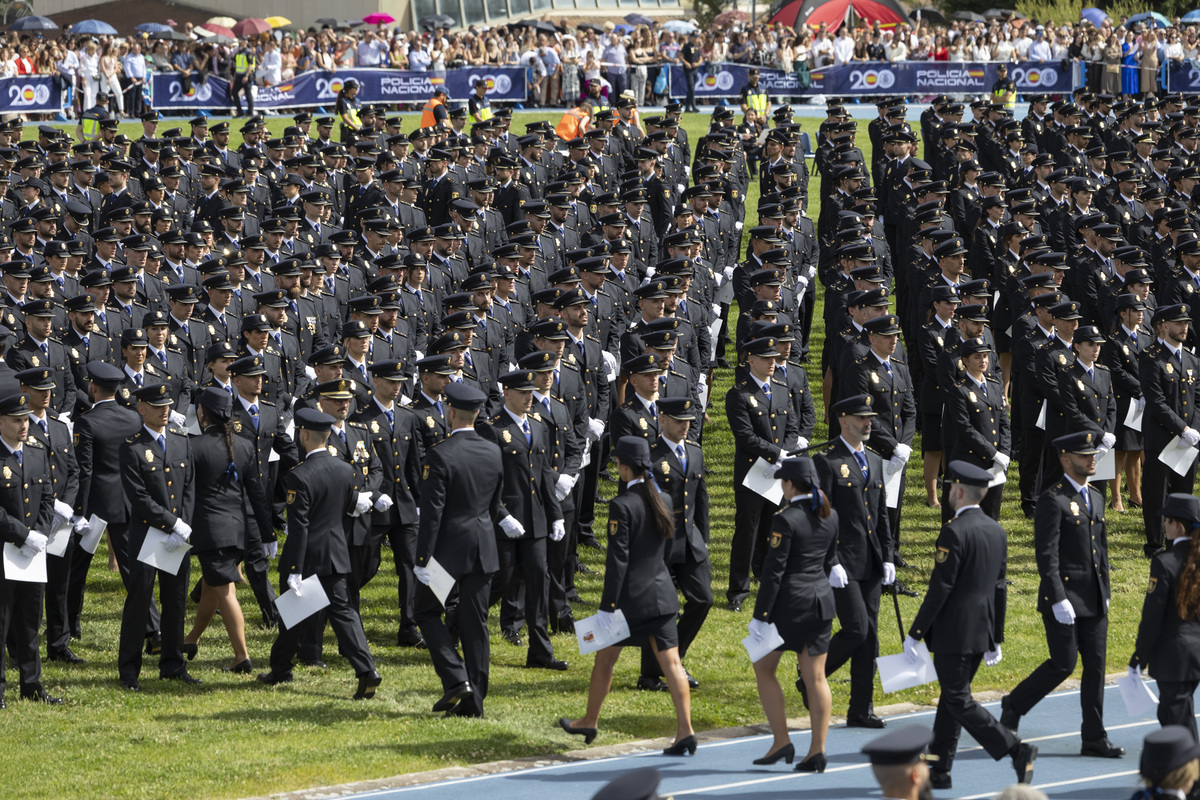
x=962 y=617
x=1167 y=641
x=320 y=495
x=461 y=491
x=27 y=506
x=157 y=475
x=852 y=477
x=245 y=64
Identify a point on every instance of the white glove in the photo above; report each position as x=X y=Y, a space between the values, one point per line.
x=177 y=419
x=896 y=463
x=738 y=225
x=716 y=310
x=512 y=527
x=728 y=271
x=801 y=284
x=801 y=443
x=679 y=187
x=182 y=528
x=34 y=543
x=910 y=650
x=80 y=524
x=270 y=549
x=422 y=574
x=773 y=468
x=1141 y=403
x=418 y=355
x=361 y=504
x=383 y=503
x=993 y=657
x=604 y=619
x=757 y=629
x=175 y=542
x=902 y=451
x=63 y=510
x=595 y=428
x=310 y=372
x=564 y=486
x=1064 y=612
x=1192 y=436
x=293 y=581
x=837 y=577
x=889 y=573
x=1101 y=452
x=1002 y=461
x=1107 y=441
x=649 y=273
x=558 y=530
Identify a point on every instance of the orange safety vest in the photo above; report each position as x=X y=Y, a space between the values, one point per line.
x=427 y=118
x=572 y=125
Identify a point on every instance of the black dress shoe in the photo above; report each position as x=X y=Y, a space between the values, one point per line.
x=1101 y=748
x=512 y=637
x=691 y=680
x=461 y=710
x=182 y=676
x=367 y=683
x=452 y=697
x=1023 y=757
x=685 y=745
x=410 y=639
x=274 y=678
x=647 y=684
x=65 y=656
x=815 y=763
x=900 y=589
x=939 y=779
x=735 y=606
x=899 y=562
x=1009 y=718
x=864 y=721
x=38 y=694
x=153 y=645
x=786 y=753
x=548 y=662
x=241 y=668
x=588 y=734
x=592 y=543
x=131 y=685
x=583 y=569
x=190 y=650
x=565 y=624
x=314 y=663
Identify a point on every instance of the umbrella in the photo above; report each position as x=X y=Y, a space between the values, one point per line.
x=1155 y=19
x=431 y=21
x=998 y=13
x=638 y=19
x=33 y=23
x=339 y=24
x=212 y=28
x=94 y=26
x=176 y=36
x=250 y=27
x=594 y=28
x=153 y=27
x=1192 y=16
x=209 y=36
x=224 y=22
x=278 y=22
x=732 y=17
x=968 y=16
x=1094 y=16
x=928 y=15
x=379 y=18
x=678 y=26
x=623 y=29
x=542 y=25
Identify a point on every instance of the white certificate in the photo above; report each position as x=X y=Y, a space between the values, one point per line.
x=91 y=540
x=761 y=483
x=757 y=648
x=60 y=536
x=1133 y=420
x=714 y=333
x=893 y=484
x=999 y=476
x=440 y=581
x=592 y=638
x=19 y=567
x=294 y=609
x=155 y=553
x=897 y=672
x=1138 y=698
x=190 y=423
x=1041 y=420
x=1106 y=467
x=1179 y=455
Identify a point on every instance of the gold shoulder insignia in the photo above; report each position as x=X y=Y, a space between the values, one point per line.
x=291 y=496
x=941 y=555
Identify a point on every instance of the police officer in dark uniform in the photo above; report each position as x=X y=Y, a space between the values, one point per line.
x=157 y=473
x=975 y=423
x=1071 y=543
x=962 y=618
x=320 y=495
x=461 y=491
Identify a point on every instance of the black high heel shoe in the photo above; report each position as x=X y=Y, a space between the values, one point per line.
x=190 y=650
x=588 y=734
x=813 y=763
x=242 y=667
x=685 y=745
x=787 y=753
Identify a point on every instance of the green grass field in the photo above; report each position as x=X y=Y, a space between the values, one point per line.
x=233 y=737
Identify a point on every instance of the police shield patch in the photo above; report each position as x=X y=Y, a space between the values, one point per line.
x=291 y=496
x=425 y=473
x=776 y=539
x=1152 y=586
x=941 y=555
x=612 y=527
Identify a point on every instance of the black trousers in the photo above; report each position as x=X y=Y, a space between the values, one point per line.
x=694 y=580
x=1175 y=704
x=81 y=561
x=528 y=556
x=751 y=526
x=1159 y=480
x=560 y=559
x=346 y=624
x=690 y=76
x=242 y=84
x=1029 y=463
x=58 y=585
x=857 y=641
x=258 y=568
x=403 y=541
x=172 y=593
x=364 y=565
x=957 y=710
x=1086 y=640
x=472 y=666
x=24 y=603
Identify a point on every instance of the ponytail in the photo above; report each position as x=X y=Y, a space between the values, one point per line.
x=664 y=523
x=1187 y=597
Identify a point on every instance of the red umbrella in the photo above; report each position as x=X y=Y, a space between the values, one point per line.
x=251 y=27
x=212 y=27
x=379 y=18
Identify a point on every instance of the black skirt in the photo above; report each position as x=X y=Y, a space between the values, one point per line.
x=220 y=567
x=931 y=433
x=663 y=629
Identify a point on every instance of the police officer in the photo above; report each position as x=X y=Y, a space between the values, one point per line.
x=1071 y=544
x=320 y=495
x=897 y=760
x=975 y=423
x=962 y=617
x=461 y=491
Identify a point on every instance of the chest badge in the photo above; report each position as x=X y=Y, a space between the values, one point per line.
x=845 y=471
x=149 y=456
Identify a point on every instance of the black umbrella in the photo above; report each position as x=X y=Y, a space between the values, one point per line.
x=431 y=21
x=638 y=19
x=969 y=16
x=179 y=36
x=998 y=13
x=590 y=26
x=928 y=15
x=339 y=24
x=536 y=24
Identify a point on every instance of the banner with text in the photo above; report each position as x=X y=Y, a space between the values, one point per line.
x=1181 y=76
x=29 y=94
x=320 y=88
x=900 y=78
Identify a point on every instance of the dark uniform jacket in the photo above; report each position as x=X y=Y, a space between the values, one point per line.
x=1170 y=645
x=802 y=552
x=1171 y=391
x=865 y=540
x=228 y=513
x=367 y=473
x=688 y=490
x=529 y=477
x=26 y=492
x=1071 y=544
x=975 y=427
x=161 y=487
x=319 y=496
x=761 y=427
x=99 y=435
x=636 y=579
x=400 y=449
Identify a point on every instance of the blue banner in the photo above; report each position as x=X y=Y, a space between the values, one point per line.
x=320 y=88
x=900 y=78
x=1181 y=76
x=29 y=94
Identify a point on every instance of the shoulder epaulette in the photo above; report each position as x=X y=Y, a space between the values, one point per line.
x=356 y=425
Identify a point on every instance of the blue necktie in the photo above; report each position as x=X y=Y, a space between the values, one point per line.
x=1087 y=501
x=528 y=433
x=391 y=418
x=861 y=458
x=1091 y=374
x=888 y=366
x=45 y=351
x=483 y=325
x=682 y=457
x=253 y=415
x=137 y=379
x=654 y=410
x=42 y=424
x=342 y=435
x=440 y=409
x=20 y=461
x=767 y=391
x=162 y=443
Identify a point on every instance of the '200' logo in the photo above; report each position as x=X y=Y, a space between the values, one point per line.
x=867 y=80
x=1032 y=76
x=28 y=94
x=502 y=84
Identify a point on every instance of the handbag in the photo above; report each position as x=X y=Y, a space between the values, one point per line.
x=660 y=83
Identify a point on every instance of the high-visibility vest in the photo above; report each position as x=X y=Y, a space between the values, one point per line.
x=756 y=100
x=571 y=125
x=1011 y=102
x=243 y=62
x=485 y=113
x=352 y=113
x=428 y=120
x=91 y=126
